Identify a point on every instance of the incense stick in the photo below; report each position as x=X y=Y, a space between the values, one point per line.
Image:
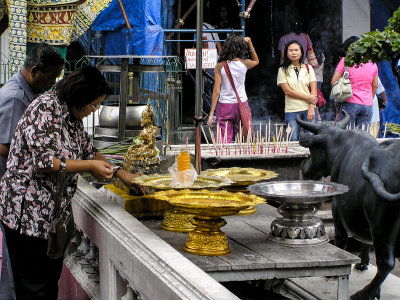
x=202 y=130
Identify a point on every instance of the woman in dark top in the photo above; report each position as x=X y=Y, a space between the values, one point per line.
x=50 y=128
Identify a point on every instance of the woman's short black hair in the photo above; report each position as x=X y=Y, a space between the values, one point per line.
x=82 y=87
x=286 y=61
x=346 y=44
x=234 y=47
x=43 y=56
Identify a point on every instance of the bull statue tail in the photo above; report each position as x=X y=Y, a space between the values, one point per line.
x=377 y=183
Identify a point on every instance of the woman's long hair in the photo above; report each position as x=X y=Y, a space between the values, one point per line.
x=286 y=61
x=234 y=47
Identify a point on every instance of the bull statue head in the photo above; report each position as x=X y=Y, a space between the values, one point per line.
x=317 y=166
x=321 y=128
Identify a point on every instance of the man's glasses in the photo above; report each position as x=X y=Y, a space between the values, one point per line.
x=96 y=107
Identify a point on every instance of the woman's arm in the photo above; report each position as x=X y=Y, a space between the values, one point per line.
x=374 y=85
x=100 y=168
x=313 y=85
x=312 y=99
x=251 y=63
x=336 y=77
x=216 y=91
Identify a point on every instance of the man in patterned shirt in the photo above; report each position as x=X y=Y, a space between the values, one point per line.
x=41 y=68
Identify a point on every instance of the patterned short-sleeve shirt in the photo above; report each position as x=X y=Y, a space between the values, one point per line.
x=46 y=130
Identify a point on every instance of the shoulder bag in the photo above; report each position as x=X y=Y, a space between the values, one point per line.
x=244 y=110
x=62 y=225
x=341 y=89
x=312 y=59
x=320 y=96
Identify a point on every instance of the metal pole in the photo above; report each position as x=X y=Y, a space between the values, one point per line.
x=242 y=20
x=123 y=99
x=199 y=79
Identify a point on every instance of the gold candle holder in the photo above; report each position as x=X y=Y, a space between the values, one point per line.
x=175 y=219
x=208 y=208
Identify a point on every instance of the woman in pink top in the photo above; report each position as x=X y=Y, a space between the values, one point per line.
x=364 y=82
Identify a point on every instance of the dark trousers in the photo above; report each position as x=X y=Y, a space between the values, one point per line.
x=35 y=274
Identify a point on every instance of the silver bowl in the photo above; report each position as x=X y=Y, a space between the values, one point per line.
x=299 y=199
x=109 y=116
x=298 y=192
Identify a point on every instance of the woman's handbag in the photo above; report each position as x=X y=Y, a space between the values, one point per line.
x=321 y=99
x=312 y=59
x=245 y=111
x=62 y=225
x=341 y=89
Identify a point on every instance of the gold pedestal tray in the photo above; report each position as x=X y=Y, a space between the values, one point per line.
x=242 y=178
x=208 y=208
x=174 y=219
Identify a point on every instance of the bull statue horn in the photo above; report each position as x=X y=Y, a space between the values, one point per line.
x=312 y=127
x=343 y=122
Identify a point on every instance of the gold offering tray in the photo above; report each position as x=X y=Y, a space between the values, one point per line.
x=162 y=182
x=208 y=207
x=209 y=202
x=241 y=176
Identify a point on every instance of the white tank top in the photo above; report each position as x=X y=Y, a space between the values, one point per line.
x=238 y=71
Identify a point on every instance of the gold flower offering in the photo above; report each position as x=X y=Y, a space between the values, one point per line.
x=241 y=177
x=208 y=208
x=175 y=219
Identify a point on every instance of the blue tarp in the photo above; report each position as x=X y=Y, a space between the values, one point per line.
x=380 y=13
x=144 y=38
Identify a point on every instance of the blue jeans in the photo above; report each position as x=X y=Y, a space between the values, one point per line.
x=290 y=119
x=359 y=114
x=7 y=290
x=382 y=122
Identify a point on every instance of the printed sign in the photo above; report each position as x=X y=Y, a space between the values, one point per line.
x=209 y=58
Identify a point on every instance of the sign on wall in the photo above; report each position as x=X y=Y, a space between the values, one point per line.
x=209 y=58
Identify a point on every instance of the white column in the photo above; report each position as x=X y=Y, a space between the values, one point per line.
x=356 y=17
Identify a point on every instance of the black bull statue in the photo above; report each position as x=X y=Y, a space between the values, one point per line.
x=370 y=211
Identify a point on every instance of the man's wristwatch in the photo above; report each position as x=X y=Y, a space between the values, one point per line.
x=116 y=169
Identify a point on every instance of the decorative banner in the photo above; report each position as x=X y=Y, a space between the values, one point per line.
x=208 y=60
x=56 y=22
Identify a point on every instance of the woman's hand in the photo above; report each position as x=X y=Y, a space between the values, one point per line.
x=312 y=99
x=247 y=40
x=311 y=113
x=101 y=170
x=211 y=120
x=126 y=179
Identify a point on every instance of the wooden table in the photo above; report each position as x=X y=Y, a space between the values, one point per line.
x=253 y=257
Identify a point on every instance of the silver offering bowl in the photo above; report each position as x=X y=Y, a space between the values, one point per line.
x=298 y=199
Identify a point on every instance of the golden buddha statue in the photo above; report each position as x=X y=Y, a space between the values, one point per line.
x=147 y=147
x=142 y=157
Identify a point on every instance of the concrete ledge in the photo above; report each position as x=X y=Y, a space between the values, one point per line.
x=128 y=249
